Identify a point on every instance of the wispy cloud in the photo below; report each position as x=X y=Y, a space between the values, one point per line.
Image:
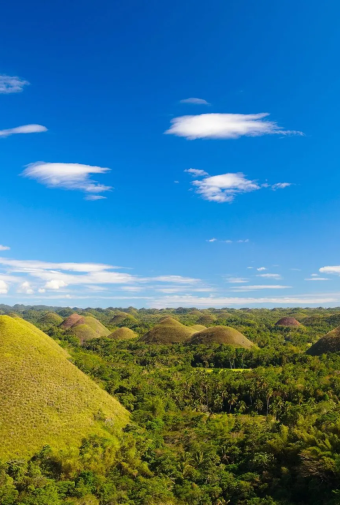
x=28 y=128
x=259 y=287
x=225 y=126
x=93 y=198
x=195 y=101
x=71 y=176
x=270 y=276
x=228 y=241
x=11 y=84
x=280 y=185
x=237 y=280
x=224 y=188
x=260 y=269
x=316 y=278
x=213 y=301
x=4 y=248
x=195 y=172
x=48 y=276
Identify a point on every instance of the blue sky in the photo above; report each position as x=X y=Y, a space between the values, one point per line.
x=110 y=85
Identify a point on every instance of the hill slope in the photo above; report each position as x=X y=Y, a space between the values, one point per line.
x=288 y=321
x=123 y=334
x=221 y=335
x=44 y=398
x=328 y=343
x=168 y=331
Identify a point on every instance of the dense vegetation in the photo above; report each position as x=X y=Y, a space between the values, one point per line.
x=210 y=425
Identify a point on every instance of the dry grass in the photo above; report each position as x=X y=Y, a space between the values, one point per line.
x=122 y=318
x=70 y=321
x=51 y=319
x=221 y=335
x=45 y=399
x=123 y=334
x=328 y=343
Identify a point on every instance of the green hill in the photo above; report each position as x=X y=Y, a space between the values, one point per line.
x=123 y=319
x=123 y=334
x=221 y=335
x=45 y=399
x=206 y=319
x=84 y=327
x=168 y=331
x=50 y=319
x=329 y=343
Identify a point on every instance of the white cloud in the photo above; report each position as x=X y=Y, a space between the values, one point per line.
x=212 y=240
x=28 y=128
x=195 y=101
x=270 y=276
x=237 y=280
x=225 y=126
x=73 y=176
x=195 y=172
x=175 y=278
x=317 y=279
x=3 y=287
x=224 y=187
x=95 y=197
x=4 y=248
x=55 y=284
x=250 y=268
x=261 y=269
x=330 y=270
x=280 y=185
x=211 y=301
x=11 y=84
x=25 y=288
x=259 y=287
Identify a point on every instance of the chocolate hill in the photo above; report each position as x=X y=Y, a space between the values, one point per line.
x=123 y=334
x=84 y=327
x=45 y=399
x=221 y=335
x=329 y=343
x=168 y=331
x=288 y=321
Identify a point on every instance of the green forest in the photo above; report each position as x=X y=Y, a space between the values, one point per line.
x=219 y=406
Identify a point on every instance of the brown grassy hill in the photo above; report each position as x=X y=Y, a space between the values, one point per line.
x=45 y=399
x=328 y=343
x=94 y=324
x=70 y=321
x=169 y=331
x=122 y=318
x=288 y=321
x=198 y=327
x=221 y=335
x=84 y=327
x=123 y=334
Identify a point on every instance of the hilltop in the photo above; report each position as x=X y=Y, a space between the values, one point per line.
x=123 y=334
x=221 y=335
x=288 y=321
x=45 y=399
x=168 y=331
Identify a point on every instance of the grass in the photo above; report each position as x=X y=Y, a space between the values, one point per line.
x=221 y=335
x=122 y=318
x=44 y=398
x=50 y=319
x=288 y=321
x=123 y=334
x=84 y=327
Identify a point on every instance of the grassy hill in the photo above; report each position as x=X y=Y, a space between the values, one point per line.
x=288 y=321
x=84 y=327
x=221 y=335
x=45 y=399
x=168 y=331
x=123 y=334
x=50 y=319
x=328 y=343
